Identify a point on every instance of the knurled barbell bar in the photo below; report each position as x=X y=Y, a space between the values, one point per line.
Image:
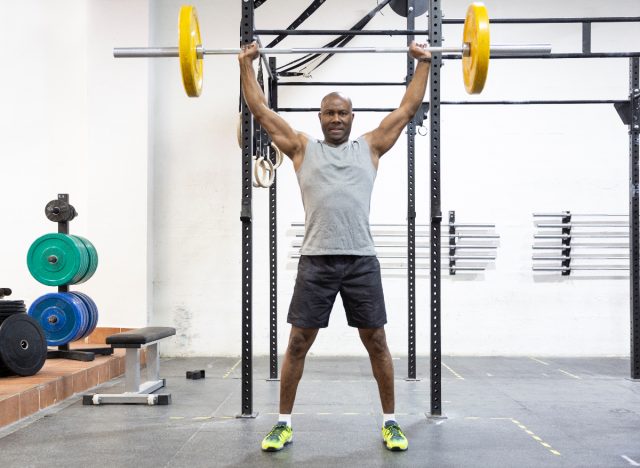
x=475 y=50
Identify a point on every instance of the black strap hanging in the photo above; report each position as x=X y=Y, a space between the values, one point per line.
x=289 y=69
x=299 y=20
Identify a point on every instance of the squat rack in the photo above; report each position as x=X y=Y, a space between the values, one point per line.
x=629 y=111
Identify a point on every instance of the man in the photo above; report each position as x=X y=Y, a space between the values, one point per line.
x=336 y=179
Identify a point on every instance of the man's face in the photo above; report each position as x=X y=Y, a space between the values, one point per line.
x=336 y=117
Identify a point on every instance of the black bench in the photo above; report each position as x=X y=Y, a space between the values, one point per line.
x=135 y=391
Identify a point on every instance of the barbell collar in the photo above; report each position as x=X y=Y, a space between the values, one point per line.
x=498 y=50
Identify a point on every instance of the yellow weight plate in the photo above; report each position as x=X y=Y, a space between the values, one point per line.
x=188 y=43
x=475 y=65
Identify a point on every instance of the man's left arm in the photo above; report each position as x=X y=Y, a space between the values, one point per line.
x=384 y=137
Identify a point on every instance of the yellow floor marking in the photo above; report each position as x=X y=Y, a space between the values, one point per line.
x=176 y=417
x=201 y=418
x=569 y=374
x=538 y=360
x=231 y=370
x=458 y=376
x=536 y=438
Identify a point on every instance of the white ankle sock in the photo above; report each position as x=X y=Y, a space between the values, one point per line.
x=388 y=417
x=285 y=418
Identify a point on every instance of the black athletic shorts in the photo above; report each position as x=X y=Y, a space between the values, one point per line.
x=321 y=277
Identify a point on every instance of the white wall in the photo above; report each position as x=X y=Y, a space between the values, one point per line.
x=75 y=121
x=122 y=138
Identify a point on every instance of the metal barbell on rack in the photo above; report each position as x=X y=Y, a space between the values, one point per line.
x=475 y=50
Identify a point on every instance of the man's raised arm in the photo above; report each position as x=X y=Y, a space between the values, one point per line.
x=291 y=143
x=384 y=137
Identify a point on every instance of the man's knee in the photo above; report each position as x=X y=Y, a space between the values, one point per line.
x=300 y=341
x=375 y=340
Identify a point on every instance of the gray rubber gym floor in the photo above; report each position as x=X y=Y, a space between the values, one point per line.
x=501 y=412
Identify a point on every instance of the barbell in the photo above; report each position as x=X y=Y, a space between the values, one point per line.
x=475 y=50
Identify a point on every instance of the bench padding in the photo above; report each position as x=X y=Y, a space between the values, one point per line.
x=140 y=336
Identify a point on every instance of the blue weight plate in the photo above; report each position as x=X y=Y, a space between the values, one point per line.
x=83 y=315
x=92 y=308
x=86 y=318
x=62 y=317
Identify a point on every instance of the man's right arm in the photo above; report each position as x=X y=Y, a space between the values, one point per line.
x=291 y=142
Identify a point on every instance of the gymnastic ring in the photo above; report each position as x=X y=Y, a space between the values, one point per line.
x=279 y=156
x=261 y=167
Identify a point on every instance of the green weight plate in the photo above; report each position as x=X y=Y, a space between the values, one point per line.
x=57 y=259
x=83 y=274
x=93 y=259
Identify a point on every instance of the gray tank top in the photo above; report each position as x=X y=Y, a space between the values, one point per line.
x=336 y=185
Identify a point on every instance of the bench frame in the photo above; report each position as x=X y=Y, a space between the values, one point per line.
x=136 y=392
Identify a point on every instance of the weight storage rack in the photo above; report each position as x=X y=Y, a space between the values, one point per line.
x=64 y=351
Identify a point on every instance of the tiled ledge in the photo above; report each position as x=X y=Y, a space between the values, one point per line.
x=59 y=379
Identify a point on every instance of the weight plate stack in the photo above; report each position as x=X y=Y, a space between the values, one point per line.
x=59 y=211
x=92 y=308
x=58 y=259
x=63 y=317
x=93 y=259
x=8 y=308
x=23 y=347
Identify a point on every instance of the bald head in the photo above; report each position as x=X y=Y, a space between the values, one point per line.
x=333 y=96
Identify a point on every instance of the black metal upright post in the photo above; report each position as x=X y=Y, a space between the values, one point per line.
x=246 y=37
x=64 y=351
x=634 y=213
x=435 y=40
x=411 y=214
x=63 y=228
x=586 y=37
x=273 y=240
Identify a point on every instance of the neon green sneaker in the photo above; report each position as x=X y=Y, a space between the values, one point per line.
x=393 y=436
x=277 y=438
